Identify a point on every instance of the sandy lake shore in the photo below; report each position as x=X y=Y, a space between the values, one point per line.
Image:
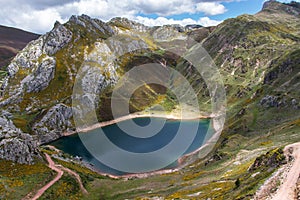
x=175 y=115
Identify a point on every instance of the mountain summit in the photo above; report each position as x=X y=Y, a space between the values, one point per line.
x=275 y=6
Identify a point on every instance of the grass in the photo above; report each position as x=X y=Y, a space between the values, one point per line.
x=3 y=74
x=17 y=180
x=65 y=188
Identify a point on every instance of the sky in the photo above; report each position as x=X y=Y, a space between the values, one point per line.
x=39 y=16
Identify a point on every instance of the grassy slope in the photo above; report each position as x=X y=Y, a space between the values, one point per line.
x=17 y=180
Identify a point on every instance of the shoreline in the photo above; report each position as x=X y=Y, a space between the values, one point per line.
x=133 y=116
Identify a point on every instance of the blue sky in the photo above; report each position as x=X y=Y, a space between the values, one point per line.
x=39 y=15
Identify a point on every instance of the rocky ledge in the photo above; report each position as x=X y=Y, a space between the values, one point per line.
x=14 y=144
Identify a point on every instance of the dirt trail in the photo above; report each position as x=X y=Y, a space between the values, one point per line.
x=287 y=189
x=60 y=171
x=76 y=176
x=51 y=165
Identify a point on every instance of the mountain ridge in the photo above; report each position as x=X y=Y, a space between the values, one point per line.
x=12 y=40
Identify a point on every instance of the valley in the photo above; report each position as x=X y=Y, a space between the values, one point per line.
x=81 y=62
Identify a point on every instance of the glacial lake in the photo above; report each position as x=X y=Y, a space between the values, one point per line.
x=74 y=146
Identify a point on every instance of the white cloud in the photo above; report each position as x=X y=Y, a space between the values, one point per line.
x=204 y=21
x=211 y=8
x=26 y=18
x=164 y=8
x=39 y=16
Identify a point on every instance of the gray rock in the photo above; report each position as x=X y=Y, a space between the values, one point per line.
x=169 y=32
x=16 y=145
x=284 y=68
x=77 y=21
x=121 y=45
x=92 y=25
x=57 y=39
x=128 y=24
x=40 y=79
x=28 y=57
x=272 y=101
x=54 y=123
x=295 y=104
x=102 y=27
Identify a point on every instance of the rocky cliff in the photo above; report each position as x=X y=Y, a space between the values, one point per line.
x=14 y=144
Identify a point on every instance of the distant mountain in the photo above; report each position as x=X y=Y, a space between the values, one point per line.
x=12 y=40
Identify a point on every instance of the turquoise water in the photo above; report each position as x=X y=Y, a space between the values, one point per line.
x=74 y=146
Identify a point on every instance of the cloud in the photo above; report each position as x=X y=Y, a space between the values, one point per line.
x=23 y=16
x=211 y=8
x=204 y=21
x=39 y=16
x=164 y=8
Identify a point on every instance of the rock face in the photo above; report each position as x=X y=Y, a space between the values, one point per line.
x=283 y=68
x=272 y=101
x=41 y=78
x=54 y=123
x=92 y=24
x=169 y=32
x=57 y=39
x=271 y=159
x=16 y=145
x=290 y=8
x=122 y=23
x=34 y=67
x=27 y=57
x=277 y=101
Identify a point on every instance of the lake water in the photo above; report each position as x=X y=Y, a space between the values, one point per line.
x=74 y=146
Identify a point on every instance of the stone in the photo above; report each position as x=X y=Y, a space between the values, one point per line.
x=27 y=57
x=40 y=79
x=57 y=39
x=169 y=32
x=53 y=123
x=14 y=144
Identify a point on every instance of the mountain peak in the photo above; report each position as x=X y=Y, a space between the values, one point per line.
x=292 y=8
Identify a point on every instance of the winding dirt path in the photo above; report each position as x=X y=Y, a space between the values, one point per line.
x=51 y=165
x=76 y=176
x=287 y=189
x=60 y=171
